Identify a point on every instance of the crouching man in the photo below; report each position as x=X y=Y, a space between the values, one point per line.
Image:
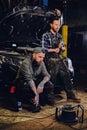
x=33 y=78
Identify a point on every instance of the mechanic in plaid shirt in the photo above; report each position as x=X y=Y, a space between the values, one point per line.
x=55 y=62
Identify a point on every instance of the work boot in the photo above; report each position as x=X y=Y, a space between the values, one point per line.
x=71 y=97
x=35 y=108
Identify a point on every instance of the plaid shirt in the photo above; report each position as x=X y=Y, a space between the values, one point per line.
x=47 y=40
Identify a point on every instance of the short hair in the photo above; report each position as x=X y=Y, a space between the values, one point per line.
x=54 y=18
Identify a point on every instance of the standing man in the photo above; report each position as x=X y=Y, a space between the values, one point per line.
x=33 y=78
x=57 y=64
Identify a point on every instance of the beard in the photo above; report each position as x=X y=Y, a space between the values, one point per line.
x=55 y=30
x=35 y=63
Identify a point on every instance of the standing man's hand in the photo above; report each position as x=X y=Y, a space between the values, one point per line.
x=59 y=46
x=57 y=50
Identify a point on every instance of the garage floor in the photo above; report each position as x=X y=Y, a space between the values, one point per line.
x=45 y=119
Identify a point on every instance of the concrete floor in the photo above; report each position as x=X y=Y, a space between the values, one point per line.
x=45 y=119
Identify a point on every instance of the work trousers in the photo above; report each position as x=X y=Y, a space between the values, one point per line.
x=24 y=92
x=58 y=66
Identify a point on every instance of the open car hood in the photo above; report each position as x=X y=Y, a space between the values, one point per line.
x=24 y=26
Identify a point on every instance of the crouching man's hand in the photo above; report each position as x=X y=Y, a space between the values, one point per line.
x=39 y=90
x=36 y=99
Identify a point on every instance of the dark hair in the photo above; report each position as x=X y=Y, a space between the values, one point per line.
x=54 y=18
